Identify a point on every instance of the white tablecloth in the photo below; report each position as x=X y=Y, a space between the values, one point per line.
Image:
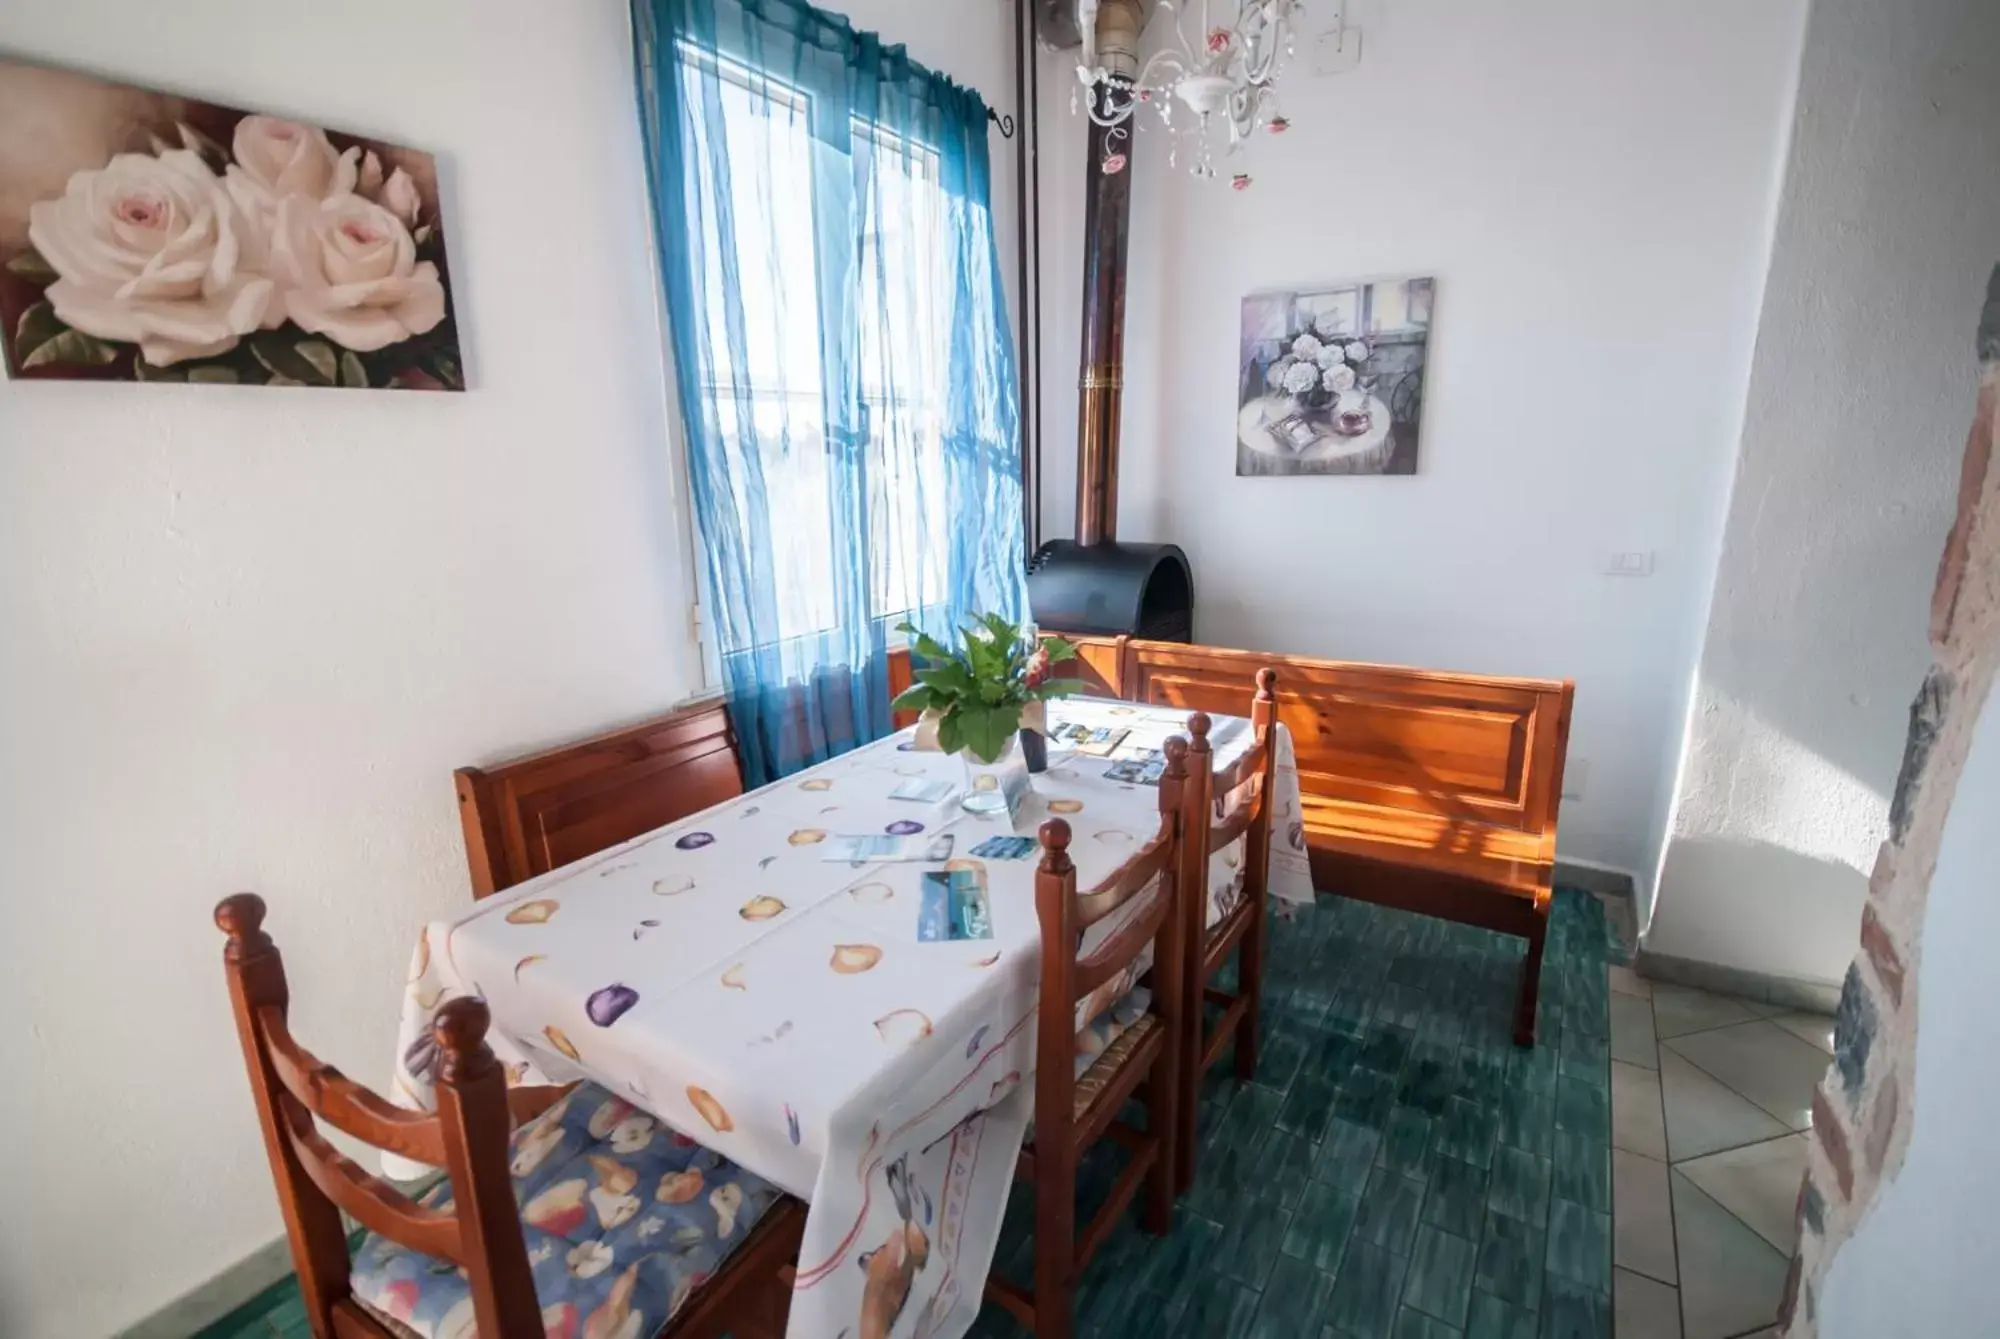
x=781 y=1009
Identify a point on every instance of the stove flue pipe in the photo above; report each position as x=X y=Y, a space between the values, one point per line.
x=1113 y=41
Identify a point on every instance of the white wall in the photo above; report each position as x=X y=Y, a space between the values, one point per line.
x=246 y=634
x=1592 y=184
x=1922 y=1261
x=1863 y=377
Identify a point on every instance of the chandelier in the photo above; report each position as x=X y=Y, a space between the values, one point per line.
x=1225 y=77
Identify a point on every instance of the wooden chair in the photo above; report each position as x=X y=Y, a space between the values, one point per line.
x=1073 y=1112
x=1239 y=799
x=471 y=1137
x=533 y=814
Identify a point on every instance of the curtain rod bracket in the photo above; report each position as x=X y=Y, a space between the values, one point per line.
x=1006 y=123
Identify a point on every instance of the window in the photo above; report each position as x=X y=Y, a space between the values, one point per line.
x=777 y=296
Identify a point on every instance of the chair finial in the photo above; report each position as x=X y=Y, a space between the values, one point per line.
x=1176 y=750
x=1055 y=836
x=241 y=917
x=1267 y=682
x=1198 y=726
x=460 y=1029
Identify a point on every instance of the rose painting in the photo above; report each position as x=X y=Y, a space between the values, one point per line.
x=148 y=237
x=1331 y=380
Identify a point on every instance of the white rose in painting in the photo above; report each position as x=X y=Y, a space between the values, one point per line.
x=1306 y=347
x=286 y=158
x=1301 y=377
x=153 y=252
x=349 y=271
x=399 y=196
x=1340 y=378
x=1357 y=352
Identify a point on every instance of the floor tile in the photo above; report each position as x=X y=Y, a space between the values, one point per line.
x=1389 y=1209
x=1365 y=1291
x=1455 y=1199
x=1510 y=1261
x=1705 y=1117
x=1294 y=1301
x=1762 y=1062
x=1625 y=981
x=1814 y=1028
x=1579 y=1244
x=1519 y=1185
x=1632 y=1039
x=1580 y=1106
x=1406 y=1143
x=1490 y=1318
x=1643 y=1308
x=1759 y=1183
x=1439 y=1279
x=1346 y=1155
x=1642 y=1217
x=1638 y=1121
x=1283 y=1169
x=1467 y=1131
x=1320 y=1227
x=1250 y=1242
x=1582 y=1170
x=1217 y=1309
x=1414 y=1324
x=1571 y=1310
x=1678 y=1010
x=1731 y=1278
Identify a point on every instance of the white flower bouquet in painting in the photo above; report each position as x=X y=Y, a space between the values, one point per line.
x=1320 y=369
x=172 y=240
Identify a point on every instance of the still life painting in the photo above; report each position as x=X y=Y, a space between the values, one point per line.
x=150 y=237
x=1331 y=380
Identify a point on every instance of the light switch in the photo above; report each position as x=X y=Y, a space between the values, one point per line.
x=1636 y=563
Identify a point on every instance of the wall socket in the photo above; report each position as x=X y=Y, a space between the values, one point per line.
x=1576 y=771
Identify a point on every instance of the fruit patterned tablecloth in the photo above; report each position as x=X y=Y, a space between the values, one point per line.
x=782 y=1009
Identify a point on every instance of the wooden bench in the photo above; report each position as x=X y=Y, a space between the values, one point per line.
x=1431 y=791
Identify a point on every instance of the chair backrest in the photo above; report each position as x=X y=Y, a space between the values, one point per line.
x=1069 y=976
x=467 y=1136
x=538 y=813
x=1234 y=802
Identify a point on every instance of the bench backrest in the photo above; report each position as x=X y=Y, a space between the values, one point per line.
x=537 y=813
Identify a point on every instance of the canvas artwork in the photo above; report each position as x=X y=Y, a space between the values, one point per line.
x=149 y=237
x=1332 y=379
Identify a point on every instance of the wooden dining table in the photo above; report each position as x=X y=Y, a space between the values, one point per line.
x=786 y=1010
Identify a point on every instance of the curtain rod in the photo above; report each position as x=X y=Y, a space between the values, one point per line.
x=1006 y=123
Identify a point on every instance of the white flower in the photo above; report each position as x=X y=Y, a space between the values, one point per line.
x=1305 y=346
x=1357 y=352
x=151 y=251
x=588 y=1259
x=350 y=272
x=1329 y=355
x=1340 y=378
x=286 y=158
x=1274 y=375
x=1301 y=377
x=1327 y=325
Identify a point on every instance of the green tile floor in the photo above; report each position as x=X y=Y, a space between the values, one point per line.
x=1399 y=1170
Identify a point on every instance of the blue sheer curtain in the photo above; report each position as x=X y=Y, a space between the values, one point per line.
x=842 y=354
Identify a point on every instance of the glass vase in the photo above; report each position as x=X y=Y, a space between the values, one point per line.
x=994 y=787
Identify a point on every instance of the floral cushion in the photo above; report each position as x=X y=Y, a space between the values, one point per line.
x=1109 y=1026
x=623 y=1218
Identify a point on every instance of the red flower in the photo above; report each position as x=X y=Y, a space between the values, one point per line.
x=1218 y=40
x=1038 y=668
x=1279 y=125
x=1240 y=182
x=1113 y=164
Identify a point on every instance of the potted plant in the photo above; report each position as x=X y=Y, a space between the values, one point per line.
x=983 y=694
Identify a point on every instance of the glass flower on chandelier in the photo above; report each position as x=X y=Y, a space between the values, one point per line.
x=1228 y=76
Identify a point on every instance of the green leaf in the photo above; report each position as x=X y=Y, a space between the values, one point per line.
x=286 y=361
x=213 y=375
x=1059 y=650
x=42 y=340
x=951 y=732
x=917 y=697
x=352 y=374
x=322 y=357
x=444 y=366
x=986 y=732
x=29 y=265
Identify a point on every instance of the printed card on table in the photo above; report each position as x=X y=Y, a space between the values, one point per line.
x=1005 y=848
x=922 y=791
x=954 y=906
x=862 y=850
